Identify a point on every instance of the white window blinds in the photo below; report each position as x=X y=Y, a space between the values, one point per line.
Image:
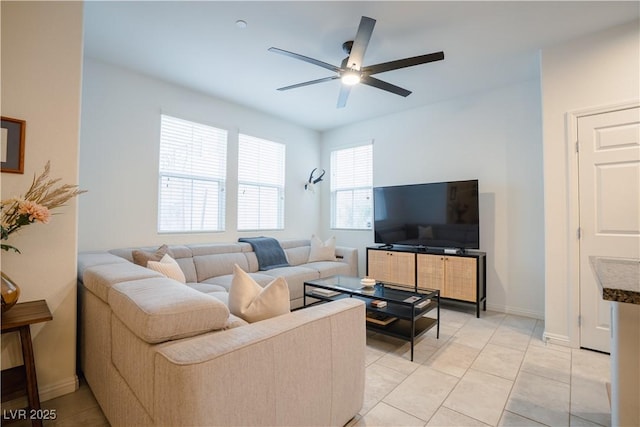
x=192 y=171
x=260 y=184
x=351 y=187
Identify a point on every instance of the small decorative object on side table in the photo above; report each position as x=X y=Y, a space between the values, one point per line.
x=10 y=292
x=20 y=319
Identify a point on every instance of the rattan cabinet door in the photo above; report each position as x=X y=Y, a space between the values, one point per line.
x=460 y=278
x=431 y=272
x=393 y=267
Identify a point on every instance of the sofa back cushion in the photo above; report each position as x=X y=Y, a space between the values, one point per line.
x=208 y=266
x=297 y=251
x=161 y=309
x=99 y=279
x=184 y=258
x=91 y=259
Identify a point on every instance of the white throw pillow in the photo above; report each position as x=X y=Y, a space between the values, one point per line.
x=322 y=251
x=169 y=267
x=251 y=302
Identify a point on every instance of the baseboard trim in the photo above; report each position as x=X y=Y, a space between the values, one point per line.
x=515 y=310
x=556 y=339
x=51 y=391
x=46 y=392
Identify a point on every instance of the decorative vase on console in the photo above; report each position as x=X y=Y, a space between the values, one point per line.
x=10 y=293
x=44 y=195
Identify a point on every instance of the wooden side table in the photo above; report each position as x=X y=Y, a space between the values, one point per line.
x=20 y=318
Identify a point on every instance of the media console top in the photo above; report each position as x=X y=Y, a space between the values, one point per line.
x=428 y=250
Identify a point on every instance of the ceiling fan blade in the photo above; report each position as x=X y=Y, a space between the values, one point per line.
x=305 y=59
x=403 y=63
x=372 y=81
x=344 y=94
x=312 y=82
x=360 y=43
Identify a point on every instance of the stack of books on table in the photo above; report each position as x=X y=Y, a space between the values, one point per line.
x=380 y=318
x=423 y=303
x=325 y=292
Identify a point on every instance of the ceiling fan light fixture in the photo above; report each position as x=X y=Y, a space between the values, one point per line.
x=350 y=78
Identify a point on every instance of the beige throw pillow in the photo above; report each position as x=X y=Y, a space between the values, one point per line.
x=169 y=267
x=425 y=232
x=143 y=257
x=251 y=302
x=322 y=251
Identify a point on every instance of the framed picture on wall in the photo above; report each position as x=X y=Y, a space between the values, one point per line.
x=12 y=151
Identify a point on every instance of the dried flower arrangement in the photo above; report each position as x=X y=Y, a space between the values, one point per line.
x=44 y=195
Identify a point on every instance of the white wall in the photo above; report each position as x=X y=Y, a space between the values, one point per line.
x=494 y=137
x=41 y=79
x=120 y=137
x=591 y=72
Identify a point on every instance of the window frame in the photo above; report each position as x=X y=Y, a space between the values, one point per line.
x=279 y=187
x=222 y=136
x=353 y=189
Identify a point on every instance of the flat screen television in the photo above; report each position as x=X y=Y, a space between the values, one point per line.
x=431 y=215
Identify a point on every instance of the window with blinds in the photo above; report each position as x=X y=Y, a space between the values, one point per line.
x=352 y=187
x=260 y=184
x=192 y=173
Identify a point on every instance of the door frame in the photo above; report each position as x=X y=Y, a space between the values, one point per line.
x=573 y=222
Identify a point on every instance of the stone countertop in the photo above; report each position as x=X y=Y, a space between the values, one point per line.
x=619 y=278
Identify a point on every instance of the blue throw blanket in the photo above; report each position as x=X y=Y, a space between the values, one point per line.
x=268 y=251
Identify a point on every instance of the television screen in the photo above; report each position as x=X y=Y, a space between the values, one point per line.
x=439 y=215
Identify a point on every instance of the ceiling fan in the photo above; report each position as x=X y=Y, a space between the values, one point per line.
x=352 y=72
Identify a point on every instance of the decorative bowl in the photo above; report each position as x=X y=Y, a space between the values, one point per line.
x=368 y=282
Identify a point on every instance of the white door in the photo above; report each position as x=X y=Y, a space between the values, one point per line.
x=609 y=192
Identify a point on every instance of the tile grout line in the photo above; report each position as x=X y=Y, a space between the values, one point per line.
x=442 y=405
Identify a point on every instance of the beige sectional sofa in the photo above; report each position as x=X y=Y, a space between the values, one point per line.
x=209 y=267
x=157 y=352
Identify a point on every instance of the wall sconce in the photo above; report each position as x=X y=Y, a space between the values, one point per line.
x=312 y=181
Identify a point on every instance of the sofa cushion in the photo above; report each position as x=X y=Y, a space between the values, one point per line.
x=91 y=259
x=99 y=279
x=295 y=277
x=225 y=281
x=214 y=265
x=298 y=255
x=168 y=267
x=159 y=309
x=207 y=287
x=329 y=268
x=234 y=322
x=251 y=302
x=322 y=251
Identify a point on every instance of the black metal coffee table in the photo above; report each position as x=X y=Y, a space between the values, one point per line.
x=402 y=317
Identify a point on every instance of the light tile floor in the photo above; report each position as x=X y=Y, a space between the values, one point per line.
x=492 y=371
x=495 y=370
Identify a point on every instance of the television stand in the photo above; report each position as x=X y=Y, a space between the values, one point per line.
x=460 y=276
x=385 y=247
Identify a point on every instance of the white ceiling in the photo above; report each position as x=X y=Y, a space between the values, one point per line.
x=198 y=45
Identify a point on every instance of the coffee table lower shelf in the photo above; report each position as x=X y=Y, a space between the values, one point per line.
x=409 y=324
x=401 y=328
